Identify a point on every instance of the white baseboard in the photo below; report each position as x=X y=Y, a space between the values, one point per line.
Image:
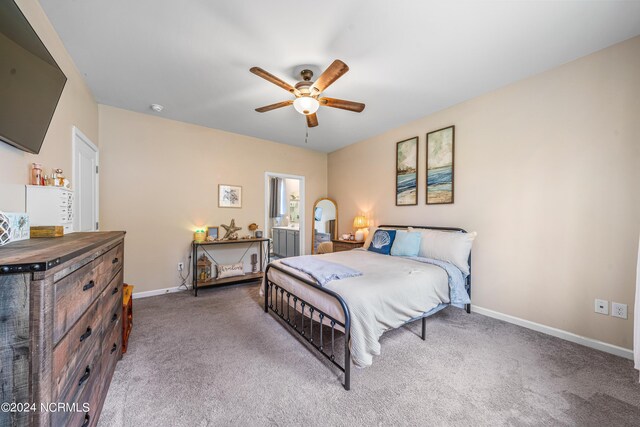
x=559 y=333
x=155 y=292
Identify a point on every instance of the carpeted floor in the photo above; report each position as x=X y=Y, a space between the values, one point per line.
x=219 y=360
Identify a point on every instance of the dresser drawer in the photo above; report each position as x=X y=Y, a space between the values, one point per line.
x=94 y=393
x=74 y=348
x=75 y=293
x=111 y=351
x=111 y=299
x=112 y=262
x=74 y=383
x=112 y=348
x=91 y=395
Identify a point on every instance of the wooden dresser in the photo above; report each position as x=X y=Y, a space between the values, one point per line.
x=60 y=327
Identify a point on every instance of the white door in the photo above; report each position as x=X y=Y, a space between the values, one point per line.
x=85 y=182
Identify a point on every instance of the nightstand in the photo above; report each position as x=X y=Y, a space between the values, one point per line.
x=345 y=245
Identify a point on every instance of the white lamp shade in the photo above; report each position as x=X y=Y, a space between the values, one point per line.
x=306 y=105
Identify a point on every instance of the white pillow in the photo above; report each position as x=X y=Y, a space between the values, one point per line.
x=450 y=246
x=230 y=270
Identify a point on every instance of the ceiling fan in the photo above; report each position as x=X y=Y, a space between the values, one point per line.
x=308 y=92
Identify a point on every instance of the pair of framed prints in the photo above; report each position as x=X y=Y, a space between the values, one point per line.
x=439 y=163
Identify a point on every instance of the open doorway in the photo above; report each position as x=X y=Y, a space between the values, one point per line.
x=284 y=214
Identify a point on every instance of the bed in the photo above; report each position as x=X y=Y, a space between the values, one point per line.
x=390 y=291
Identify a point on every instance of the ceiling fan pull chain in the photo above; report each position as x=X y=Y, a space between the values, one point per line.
x=306 y=137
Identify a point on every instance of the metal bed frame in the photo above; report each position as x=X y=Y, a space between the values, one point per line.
x=295 y=319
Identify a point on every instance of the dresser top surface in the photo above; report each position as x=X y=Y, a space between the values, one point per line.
x=43 y=250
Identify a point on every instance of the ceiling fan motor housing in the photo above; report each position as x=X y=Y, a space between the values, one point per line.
x=304 y=87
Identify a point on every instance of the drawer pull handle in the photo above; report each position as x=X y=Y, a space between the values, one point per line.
x=114 y=291
x=84 y=376
x=85 y=335
x=89 y=285
x=114 y=317
x=87 y=418
x=115 y=261
x=114 y=348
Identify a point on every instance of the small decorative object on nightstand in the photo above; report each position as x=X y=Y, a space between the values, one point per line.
x=345 y=245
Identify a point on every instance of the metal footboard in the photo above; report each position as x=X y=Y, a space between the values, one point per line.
x=285 y=304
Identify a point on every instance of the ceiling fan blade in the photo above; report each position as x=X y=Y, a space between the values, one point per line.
x=342 y=104
x=274 y=106
x=330 y=75
x=275 y=80
x=312 y=120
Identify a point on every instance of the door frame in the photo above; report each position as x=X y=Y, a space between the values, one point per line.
x=77 y=135
x=302 y=233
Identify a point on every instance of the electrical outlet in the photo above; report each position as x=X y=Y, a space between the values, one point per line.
x=602 y=306
x=619 y=310
x=180 y=266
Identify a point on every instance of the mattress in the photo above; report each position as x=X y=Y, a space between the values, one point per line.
x=390 y=292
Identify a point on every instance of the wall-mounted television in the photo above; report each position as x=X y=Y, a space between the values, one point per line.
x=30 y=82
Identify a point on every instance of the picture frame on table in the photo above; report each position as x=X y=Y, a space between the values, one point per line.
x=212 y=232
x=229 y=196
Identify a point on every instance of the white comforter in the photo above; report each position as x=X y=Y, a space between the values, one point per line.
x=391 y=291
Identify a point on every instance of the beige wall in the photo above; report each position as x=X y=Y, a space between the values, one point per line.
x=548 y=173
x=75 y=108
x=160 y=179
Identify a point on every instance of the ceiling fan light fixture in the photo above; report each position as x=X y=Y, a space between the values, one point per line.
x=306 y=105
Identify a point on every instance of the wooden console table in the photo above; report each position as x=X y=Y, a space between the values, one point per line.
x=262 y=254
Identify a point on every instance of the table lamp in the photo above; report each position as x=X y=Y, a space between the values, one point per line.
x=359 y=223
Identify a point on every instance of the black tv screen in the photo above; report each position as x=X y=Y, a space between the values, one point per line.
x=30 y=82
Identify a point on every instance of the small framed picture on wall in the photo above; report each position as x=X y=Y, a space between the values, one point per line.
x=229 y=196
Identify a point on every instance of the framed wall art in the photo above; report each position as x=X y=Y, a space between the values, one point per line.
x=229 y=196
x=407 y=172
x=440 y=162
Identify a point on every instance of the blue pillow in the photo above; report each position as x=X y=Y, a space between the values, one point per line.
x=382 y=241
x=406 y=244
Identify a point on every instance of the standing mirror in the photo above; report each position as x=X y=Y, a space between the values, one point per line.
x=325 y=225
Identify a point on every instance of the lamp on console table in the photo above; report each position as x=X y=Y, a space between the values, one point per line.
x=359 y=223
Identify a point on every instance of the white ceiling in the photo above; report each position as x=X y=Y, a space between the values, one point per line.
x=407 y=58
